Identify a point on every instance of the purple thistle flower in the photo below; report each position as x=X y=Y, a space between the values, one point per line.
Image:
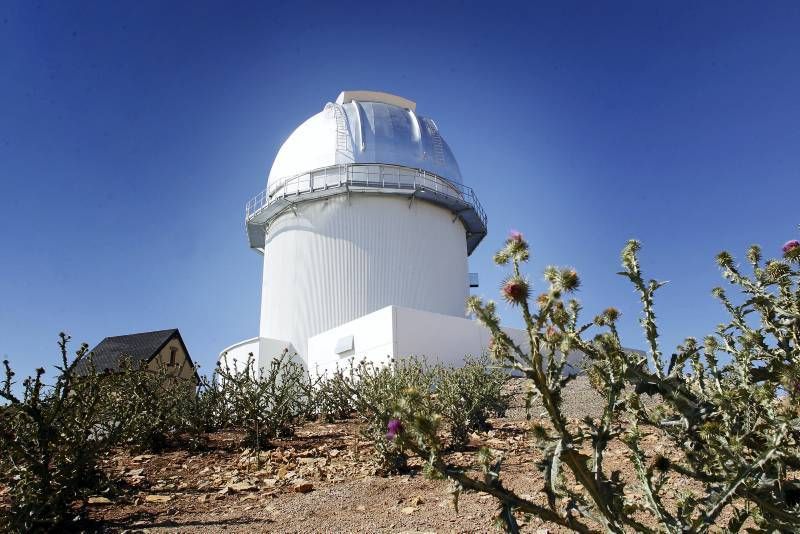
x=790 y=245
x=393 y=429
x=515 y=290
x=515 y=235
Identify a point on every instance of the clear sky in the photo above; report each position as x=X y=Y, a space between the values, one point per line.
x=132 y=134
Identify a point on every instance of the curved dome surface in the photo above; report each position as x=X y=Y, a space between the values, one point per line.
x=365 y=127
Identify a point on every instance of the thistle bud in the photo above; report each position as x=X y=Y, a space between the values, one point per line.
x=754 y=254
x=474 y=303
x=776 y=270
x=552 y=334
x=790 y=245
x=516 y=247
x=612 y=314
x=393 y=429
x=569 y=280
x=501 y=257
x=724 y=259
x=791 y=250
x=498 y=350
x=543 y=299
x=515 y=290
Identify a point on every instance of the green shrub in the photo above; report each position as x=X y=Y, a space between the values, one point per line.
x=733 y=426
x=375 y=389
x=212 y=407
x=463 y=397
x=146 y=409
x=269 y=402
x=467 y=396
x=333 y=401
x=48 y=449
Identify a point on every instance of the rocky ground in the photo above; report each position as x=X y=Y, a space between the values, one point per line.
x=322 y=480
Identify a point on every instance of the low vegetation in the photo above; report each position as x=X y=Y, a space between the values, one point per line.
x=734 y=426
x=52 y=437
x=729 y=405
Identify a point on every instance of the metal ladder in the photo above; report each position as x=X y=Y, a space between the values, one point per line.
x=343 y=142
x=436 y=140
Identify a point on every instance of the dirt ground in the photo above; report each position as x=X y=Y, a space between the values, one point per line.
x=322 y=480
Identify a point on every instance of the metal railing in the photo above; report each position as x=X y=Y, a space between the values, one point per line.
x=361 y=175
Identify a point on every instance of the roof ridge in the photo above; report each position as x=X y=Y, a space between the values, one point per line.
x=144 y=333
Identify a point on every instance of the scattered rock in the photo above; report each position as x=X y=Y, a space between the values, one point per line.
x=302 y=486
x=409 y=510
x=158 y=498
x=243 y=486
x=98 y=499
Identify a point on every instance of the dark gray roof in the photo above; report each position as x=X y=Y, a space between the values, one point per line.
x=108 y=355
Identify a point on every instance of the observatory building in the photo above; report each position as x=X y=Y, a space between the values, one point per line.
x=365 y=227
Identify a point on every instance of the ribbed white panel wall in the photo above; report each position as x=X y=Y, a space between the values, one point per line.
x=338 y=259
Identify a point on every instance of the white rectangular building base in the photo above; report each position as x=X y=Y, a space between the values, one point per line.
x=395 y=332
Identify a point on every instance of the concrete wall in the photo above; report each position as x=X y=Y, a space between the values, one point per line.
x=342 y=258
x=372 y=341
x=398 y=332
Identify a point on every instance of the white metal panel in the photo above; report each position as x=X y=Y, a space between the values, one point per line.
x=372 y=341
x=442 y=338
x=235 y=356
x=339 y=259
x=365 y=132
x=395 y=332
x=263 y=352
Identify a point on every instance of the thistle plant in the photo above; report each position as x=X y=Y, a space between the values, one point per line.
x=267 y=402
x=374 y=389
x=48 y=450
x=462 y=399
x=728 y=406
x=332 y=399
x=466 y=397
x=148 y=408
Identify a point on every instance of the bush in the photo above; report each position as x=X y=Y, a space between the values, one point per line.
x=734 y=427
x=269 y=402
x=374 y=390
x=48 y=450
x=146 y=409
x=467 y=396
x=212 y=407
x=463 y=399
x=333 y=401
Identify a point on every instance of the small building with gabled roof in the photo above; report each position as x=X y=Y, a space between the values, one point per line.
x=152 y=350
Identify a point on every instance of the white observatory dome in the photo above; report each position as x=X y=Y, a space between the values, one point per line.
x=365 y=127
x=364 y=208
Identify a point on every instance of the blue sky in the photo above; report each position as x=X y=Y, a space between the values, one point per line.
x=132 y=134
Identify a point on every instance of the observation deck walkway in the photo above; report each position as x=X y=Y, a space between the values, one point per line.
x=359 y=178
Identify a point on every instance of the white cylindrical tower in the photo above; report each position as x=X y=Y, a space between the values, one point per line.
x=364 y=208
